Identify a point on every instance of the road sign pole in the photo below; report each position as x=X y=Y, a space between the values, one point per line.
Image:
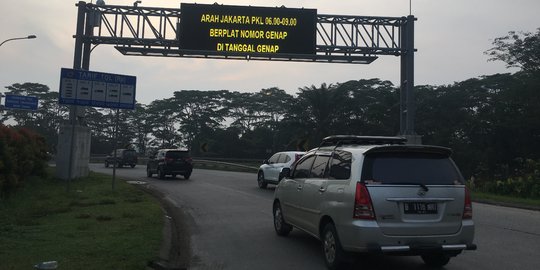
x=77 y=59
x=115 y=147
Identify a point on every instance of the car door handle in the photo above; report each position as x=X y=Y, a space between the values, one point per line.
x=299 y=187
x=322 y=189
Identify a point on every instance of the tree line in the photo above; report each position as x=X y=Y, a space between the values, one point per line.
x=492 y=122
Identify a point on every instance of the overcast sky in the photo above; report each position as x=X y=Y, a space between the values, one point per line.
x=450 y=36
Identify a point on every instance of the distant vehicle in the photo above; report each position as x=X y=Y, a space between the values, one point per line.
x=170 y=162
x=123 y=157
x=377 y=194
x=270 y=171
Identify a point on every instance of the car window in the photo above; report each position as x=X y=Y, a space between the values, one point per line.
x=340 y=165
x=410 y=168
x=282 y=158
x=129 y=153
x=303 y=168
x=319 y=167
x=177 y=154
x=273 y=159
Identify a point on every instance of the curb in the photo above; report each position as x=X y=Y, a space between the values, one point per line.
x=175 y=250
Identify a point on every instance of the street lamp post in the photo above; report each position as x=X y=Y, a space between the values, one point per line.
x=28 y=37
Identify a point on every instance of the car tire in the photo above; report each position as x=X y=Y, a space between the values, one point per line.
x=132 y=165
x=106 y=164
x=187 y=175
x=260 y=180
x=148 y=172
x=282 y=228
x=435 y=259
x=161 y=173
x=333 y=253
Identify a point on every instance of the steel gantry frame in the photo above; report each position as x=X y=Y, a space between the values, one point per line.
x=152 y=31
x=136 y=30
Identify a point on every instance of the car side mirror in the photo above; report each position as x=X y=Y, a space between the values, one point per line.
x=265 y=161
x=286 y=173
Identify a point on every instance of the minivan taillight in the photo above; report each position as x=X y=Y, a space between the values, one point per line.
x=363 y=208
x=188 y=160
x=169 y=160
x=467 y=209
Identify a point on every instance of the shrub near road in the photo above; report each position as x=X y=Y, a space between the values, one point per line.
x=22 y=153
x=90 y=227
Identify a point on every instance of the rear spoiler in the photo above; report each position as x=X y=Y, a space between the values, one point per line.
x=430 y=149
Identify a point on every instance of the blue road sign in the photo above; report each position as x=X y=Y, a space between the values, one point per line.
x=97 y=89
x=21 y=102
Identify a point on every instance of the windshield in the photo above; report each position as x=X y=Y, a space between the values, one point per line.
x=177 y=154
x=410 y=168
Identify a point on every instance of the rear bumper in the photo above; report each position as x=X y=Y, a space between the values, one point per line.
x=422 y=249
x=183 y=170
x=366 y=236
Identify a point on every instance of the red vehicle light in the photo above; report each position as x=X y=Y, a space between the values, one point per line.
x=363 y=208
x=467 y=209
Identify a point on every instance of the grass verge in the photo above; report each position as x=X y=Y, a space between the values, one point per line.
x=90 y=227
x=533 y=204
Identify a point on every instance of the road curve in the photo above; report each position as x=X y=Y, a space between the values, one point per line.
x=229 y=221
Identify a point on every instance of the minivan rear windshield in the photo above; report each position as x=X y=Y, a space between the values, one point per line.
x=410 y=168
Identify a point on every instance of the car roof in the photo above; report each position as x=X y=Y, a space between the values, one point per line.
x=175 y=149
x=364 y=149
x=291 y=152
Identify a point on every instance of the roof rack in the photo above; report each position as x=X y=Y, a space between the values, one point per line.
x=361 y=140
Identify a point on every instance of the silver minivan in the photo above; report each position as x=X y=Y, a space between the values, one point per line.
x=377 y=195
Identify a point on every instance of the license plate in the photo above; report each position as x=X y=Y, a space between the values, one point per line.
x=420 y=208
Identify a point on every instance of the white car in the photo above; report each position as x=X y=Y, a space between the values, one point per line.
x=377 y=195
x=270 y=171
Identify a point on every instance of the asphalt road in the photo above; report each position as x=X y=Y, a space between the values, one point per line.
x=230 y=224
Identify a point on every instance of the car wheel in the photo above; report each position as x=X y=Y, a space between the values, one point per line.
x=282 y=228
x=161 y=173
x=106 y=164
x=333 y=253
x=132 y=165
x=436 y=259
x=260 y=180
x=187 y=175
x=148 y=172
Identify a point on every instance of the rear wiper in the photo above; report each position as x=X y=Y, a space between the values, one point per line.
x=424 y=187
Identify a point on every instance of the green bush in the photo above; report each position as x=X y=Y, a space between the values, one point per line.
x=524 y=181
x=22 y=154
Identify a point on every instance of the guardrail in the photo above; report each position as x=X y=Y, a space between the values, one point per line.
x=221 y=163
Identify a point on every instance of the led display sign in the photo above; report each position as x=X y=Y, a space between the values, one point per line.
x=247 y=30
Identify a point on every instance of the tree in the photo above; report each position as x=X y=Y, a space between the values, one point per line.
x=518 y=49
x=49 y=116
x=164 y=123
x=199 y=112
x=369 y=107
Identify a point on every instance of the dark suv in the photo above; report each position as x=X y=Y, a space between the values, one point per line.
x=123 y=157
x=170 y=162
